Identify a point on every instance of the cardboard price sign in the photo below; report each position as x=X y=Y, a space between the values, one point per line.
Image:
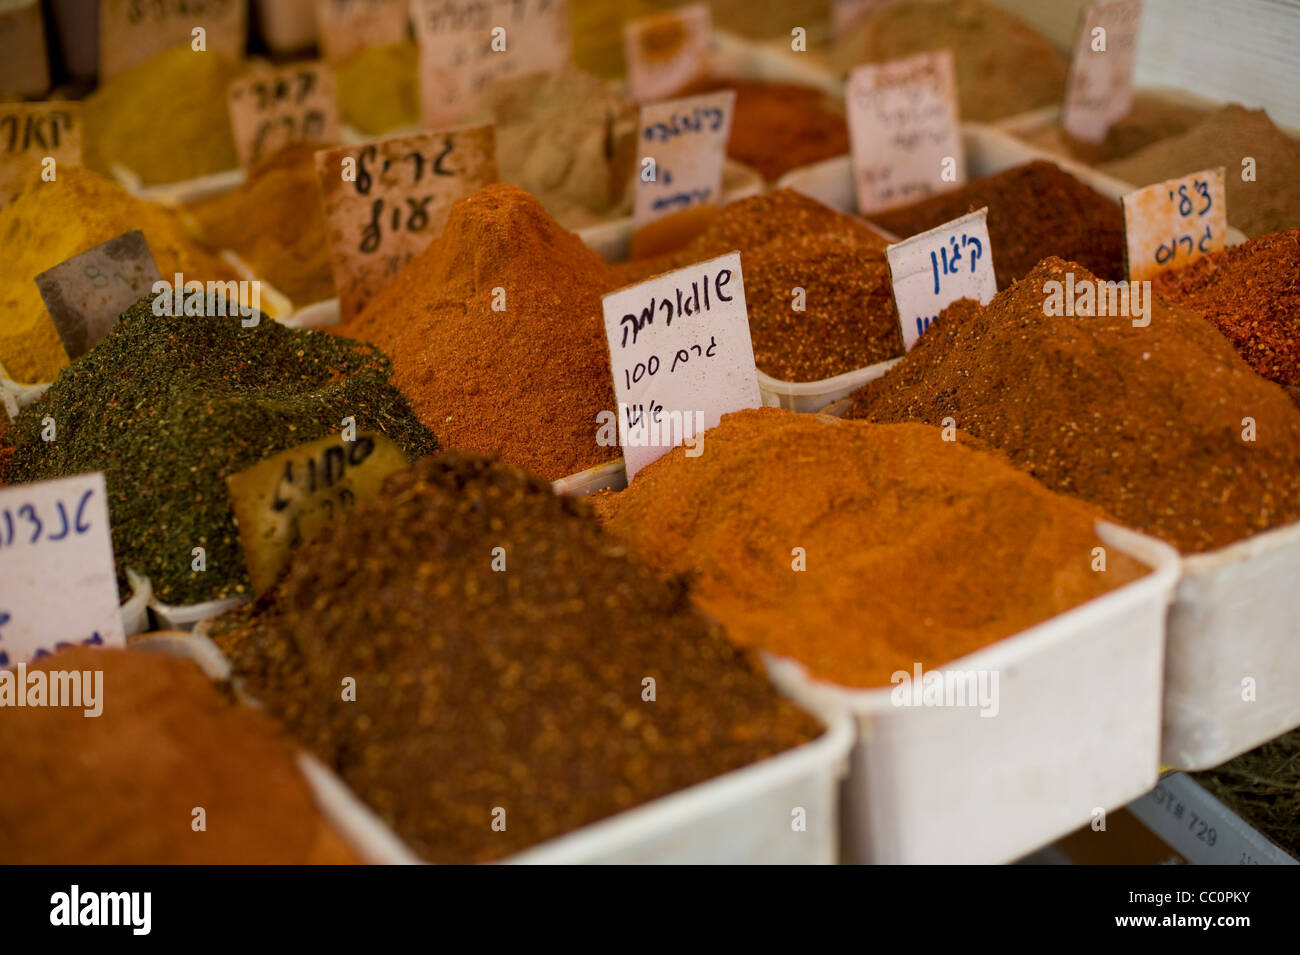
x=345 y=27
x=31 y=133
x=681 y=355
x=903 y=130
x=932 y=270
x=466 y=44
x=687 y=139
x=86 y=293
x=290 y=497
x=131 y=31
x=1171 y=224
x=387 y=199
x=667 y=52
x=273 y=108
x=56 y=562
x=24 y=67
x=1100 y=88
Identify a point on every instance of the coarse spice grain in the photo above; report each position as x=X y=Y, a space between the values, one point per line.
x=869 y=507
x=121 y=788
x=1153 y=117
x=1146 y=423
x=478 y=689
x=1035 y=210
x=1263 y=787
x=1251 y=292
x=168 y=407
x=528 y=382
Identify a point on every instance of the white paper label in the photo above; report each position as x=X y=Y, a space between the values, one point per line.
x=904 y=131
x=1100 y=88
x=36 y=139
x=346 y=27
x=846 y=14
x=272 y=108
x=667 y=52
x=132 y=31
x=24 y=67
x=687 y=141
x=1171 y=224
x=932 y=270
x=466 y=44
x=56 y=566
x=681 y=355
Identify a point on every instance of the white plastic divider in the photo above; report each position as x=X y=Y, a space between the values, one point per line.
x=185 y=617
x=812 y=396
x=135 y=609
x=610 y=476
x=1077 y=730
x=179 y=193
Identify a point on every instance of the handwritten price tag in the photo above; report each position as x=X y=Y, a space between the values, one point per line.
x=1171 y=224
x=273 y=108
x=932 y=270
x=56 y=562
x=290 y=497
x=681 y=354
x=466 y=44
x=31 y=133
x=1100 y=88
x=86 y=293
x=387 y=199
x=131 y=31
x=667 y=52
x=346 y=27
x=903 y=129
x=24 y=67
x=687 y=139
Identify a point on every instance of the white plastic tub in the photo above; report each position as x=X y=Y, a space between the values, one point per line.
x=1077 y=730
x=610 y=476
x=812 y=396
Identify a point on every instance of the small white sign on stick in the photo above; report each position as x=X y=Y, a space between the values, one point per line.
x=686 y=139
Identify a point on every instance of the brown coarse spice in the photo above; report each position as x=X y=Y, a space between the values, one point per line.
x=526 y=380
x=1145 y=422
x=876 y=513
x=1153 y=117
x=1035 y=210
x=516 y=684
x=1251 y=292
x=121 y=788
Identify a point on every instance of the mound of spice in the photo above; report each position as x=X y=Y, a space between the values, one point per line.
x=1149 y=423
x=1263 y=787
x=121 y=788
x=787 y=242
x=777 y=127
x=164 y=119
x=1251 y=292
x=1269 y=203
x=1003 y=65
x=566 y=137
x=167 y=407
x=50 y=222
x=1153 y=117
x=379 y=88
x=806 y=535
x=275 y=223
x=1035 y=210
x=527 y=379
x=498 y=681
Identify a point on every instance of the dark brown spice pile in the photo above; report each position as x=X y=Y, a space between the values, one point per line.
x=1251 y=292
x=1147 y=422
x=1263 y=787
x=788 y=241
x=519 y=689
x=1035 y=210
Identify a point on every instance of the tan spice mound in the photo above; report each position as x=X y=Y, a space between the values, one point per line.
x=527 y=382
x=121 y=788
x=917 y=549
x=1146 y=423
x=1153 y=117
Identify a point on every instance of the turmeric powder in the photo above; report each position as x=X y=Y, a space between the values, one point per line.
x=379 y=88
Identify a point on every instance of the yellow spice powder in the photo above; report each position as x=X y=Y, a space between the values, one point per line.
x=379 y=88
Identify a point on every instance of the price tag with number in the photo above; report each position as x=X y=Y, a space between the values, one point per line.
x=132 y=31
x=86 y=293
x=903 y=130
x=24 y=67
x=35 y=139
x=290 y=497
x=687 y=140
x=466 y=44
x=387 y=199
x=1171 y=224
x=56 y=562
x=1100 y=88
x=682 y=357
x=273 y=108
x=346 y=27
x=667 y=52
x=932 y=270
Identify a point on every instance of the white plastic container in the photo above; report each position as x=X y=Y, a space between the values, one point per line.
x=812 y=396
x=611 y=476
x=135 y=611
x=168 y=617
x=1077 y=730
x=770 y=61
x=179 y=193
